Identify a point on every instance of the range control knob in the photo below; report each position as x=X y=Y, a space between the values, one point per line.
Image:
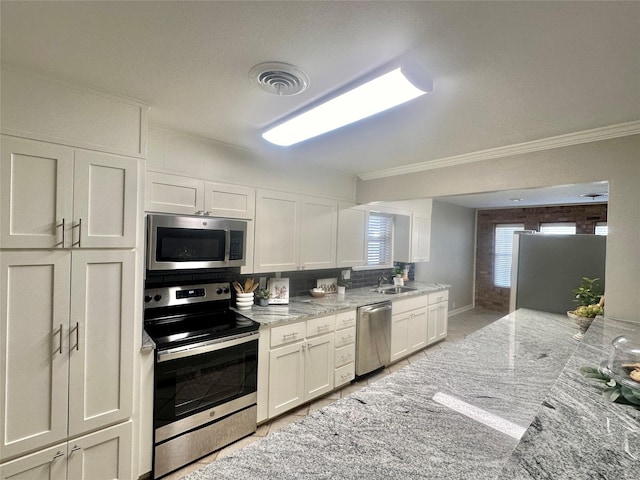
x=219 y=291
x=147 y=298
x=157 y=297
x=226 y=290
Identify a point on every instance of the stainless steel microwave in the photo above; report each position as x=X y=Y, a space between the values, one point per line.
x=190 y=242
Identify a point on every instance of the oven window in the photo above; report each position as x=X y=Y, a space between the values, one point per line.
x=191 y=384
x=189 y=245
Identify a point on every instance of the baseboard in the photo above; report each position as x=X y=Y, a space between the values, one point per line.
x=460 y=310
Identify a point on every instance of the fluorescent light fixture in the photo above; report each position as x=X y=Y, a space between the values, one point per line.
x=384 y=92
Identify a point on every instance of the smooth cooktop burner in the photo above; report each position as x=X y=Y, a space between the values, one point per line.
x=182 y=329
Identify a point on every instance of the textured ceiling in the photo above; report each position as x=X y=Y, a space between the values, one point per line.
x=504 y=73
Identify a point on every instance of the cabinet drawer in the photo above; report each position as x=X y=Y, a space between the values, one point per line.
x=345 y=319
x=321 y=325
x=404 y=305
x=292 y=332
x=345 y=355
x=344 y=374
x=438 y=297
x=345 y=337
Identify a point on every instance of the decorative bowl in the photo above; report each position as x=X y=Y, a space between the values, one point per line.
x=316 y=293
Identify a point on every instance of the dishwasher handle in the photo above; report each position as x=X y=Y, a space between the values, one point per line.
x=366 y=311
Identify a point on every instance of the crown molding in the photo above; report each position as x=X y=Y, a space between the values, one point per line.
x=586 y=136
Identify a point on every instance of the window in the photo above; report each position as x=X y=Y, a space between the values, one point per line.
x=379 y=239
x=503 y=249
x=564 y=228
x=602 y=228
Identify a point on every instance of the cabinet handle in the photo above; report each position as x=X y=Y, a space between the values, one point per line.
x=79 y=227
x=75 y=449
x=77 y=329
x=63 y=229
x=58 y=455
x=60 y=344
x=286 y=336
x=322 y=327
x=347 y=339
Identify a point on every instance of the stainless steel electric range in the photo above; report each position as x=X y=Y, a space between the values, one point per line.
x=205 y=372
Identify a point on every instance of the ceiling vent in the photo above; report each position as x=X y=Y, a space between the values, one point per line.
x=279 y=78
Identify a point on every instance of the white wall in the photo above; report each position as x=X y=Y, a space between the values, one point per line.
x=183 y=154
x=616 y=160
x=452 y=257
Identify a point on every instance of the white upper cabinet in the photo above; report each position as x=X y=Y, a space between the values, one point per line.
x=233 y=201
x=319 y=233
x=352 y=230
x=104 y=200
x=173 y=194
x=294 y=232
x=167 y=193
x=277 y=232
x=420 y=238
x=58 y=197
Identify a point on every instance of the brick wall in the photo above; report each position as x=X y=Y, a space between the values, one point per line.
x=495 y=298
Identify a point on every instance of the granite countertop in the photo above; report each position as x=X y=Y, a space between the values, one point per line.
x=303 y=307
x=507 y=402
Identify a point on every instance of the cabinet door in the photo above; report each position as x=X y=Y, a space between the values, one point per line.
x=399 y=336
x=286 y=378
x=105 y=200
x=418 y=327
x=319 y=233
x=421 y=238
x=442 y=313
x=36 y=194
x=352 y=229
x=432 y=313
x=235 y=201
x=277 y=234
x=48 y=464
x=100 y=332
x=33 y=349
x=319 y=363
x=173 y=194
x=104 y=455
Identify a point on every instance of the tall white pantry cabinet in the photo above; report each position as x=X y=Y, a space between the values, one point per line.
x=68 y=266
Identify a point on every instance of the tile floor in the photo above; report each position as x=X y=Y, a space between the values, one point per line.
x=459 y=327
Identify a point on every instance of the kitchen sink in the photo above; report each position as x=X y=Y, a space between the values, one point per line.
x=393 y=290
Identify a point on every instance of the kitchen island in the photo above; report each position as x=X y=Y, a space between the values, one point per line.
x=506 y=402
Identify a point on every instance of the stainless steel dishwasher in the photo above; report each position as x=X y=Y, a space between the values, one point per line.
x=373 y=337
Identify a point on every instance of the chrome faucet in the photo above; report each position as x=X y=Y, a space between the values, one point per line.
x=380 y=279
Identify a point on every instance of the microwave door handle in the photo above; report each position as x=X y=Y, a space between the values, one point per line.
x=227 y=246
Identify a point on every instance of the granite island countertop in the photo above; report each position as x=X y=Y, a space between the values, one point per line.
x=506 y=402
x=304 y=307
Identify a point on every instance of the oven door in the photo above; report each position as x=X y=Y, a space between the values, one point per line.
x=195 y=380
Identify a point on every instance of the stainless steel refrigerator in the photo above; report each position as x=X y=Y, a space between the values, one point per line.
x=546 y=268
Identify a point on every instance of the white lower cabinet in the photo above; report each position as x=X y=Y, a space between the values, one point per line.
x=105 y=454
x=301 y=363
x=437 y=313
x=345 y=343
x=408 y=326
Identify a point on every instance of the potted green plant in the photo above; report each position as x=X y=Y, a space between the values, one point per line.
x=263 y=297
x=590 y=302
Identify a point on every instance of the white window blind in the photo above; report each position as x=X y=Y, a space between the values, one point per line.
x=558 y=228
x=503 y=249
x=379 y=239
x=602 y=228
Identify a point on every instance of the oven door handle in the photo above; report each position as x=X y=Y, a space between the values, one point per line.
x=205 y=347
